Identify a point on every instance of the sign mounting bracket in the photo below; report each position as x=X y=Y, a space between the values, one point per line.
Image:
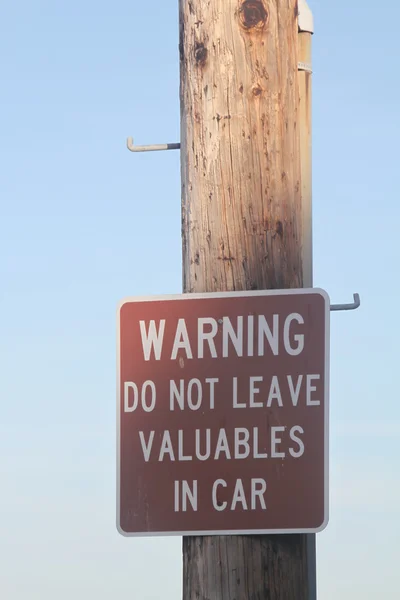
x=353 y=306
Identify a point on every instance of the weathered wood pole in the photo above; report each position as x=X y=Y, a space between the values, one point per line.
x=242 y=224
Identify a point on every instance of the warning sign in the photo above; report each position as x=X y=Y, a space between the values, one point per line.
x=223 y=413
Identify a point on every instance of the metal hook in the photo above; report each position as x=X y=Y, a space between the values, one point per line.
x=356 y=304
x=153 y=148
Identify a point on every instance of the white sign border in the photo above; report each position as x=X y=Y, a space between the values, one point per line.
x=241 y=294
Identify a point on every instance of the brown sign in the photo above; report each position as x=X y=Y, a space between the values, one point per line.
x=223 y=413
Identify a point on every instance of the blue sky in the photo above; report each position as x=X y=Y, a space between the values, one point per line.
x=84 y=223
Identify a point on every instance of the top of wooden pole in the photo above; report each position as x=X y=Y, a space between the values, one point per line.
x=306 y=19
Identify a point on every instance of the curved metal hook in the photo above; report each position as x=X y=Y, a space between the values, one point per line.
x=131 y=146
x=356 y=304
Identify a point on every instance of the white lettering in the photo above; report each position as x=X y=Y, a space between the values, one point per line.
x=174 y=394
x=299 y=338
x=265 y=331
x=276 y=440
x=236 y=404
x=208 y=336
x=129 y=385
x=199 y=455
x=298 y=441
x=146 y=448
x=195 y=405
x=239 y=496
x=310 y=389
x=242 y=436
x=181 y=341
x=294 y=393
x=216 y=504
x=148 y=407
x=274 y=392
x=256 y=453
x=176 y=496
x=250 y=335
x=188 y=494
x=166 y=447
x=181 y=456
x=258 y=493
x=236 y=337
x=255 y=390
x=212 y=383
x=152 y=339
x=222 y=445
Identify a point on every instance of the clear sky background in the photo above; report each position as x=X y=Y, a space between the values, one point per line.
x=84 y=223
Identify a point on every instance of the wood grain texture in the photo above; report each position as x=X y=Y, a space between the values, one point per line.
x=241 y=197
x=242 y=224
x=244 y=568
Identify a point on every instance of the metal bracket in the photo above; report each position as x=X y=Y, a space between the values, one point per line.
x=356 y=304
x=306 y=20
x=131 y=146
x=302 y=66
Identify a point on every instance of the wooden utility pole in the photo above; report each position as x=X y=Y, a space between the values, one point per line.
x=244 y=224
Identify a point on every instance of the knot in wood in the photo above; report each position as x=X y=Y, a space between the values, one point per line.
x=200 y=54
x=279 y=228
x=253 y=14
